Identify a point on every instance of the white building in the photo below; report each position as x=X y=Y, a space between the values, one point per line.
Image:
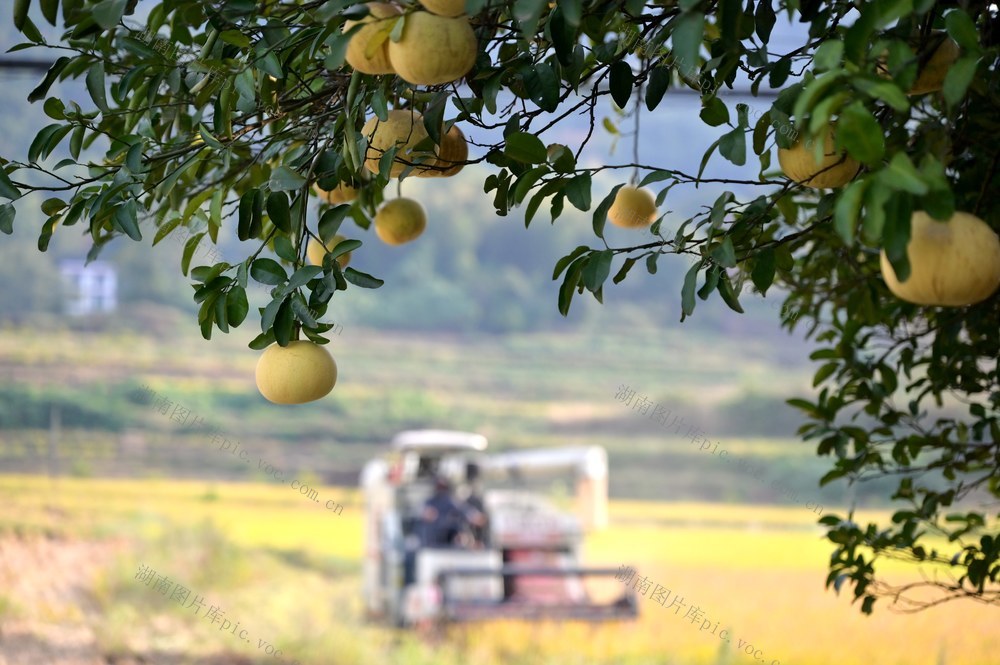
x=91 y=288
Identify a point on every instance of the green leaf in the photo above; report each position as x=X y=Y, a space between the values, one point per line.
x=108 y=13
x=564 y=37
x=824 y=372
x=959 y=78
x=724 y=254
x=569 y=284
x=126 y=220
x=764 y=20
x=262 y=341
x=21 y=8
x=620 y=81
x=883 y=91
x=689 y=29
x=343 y=247
x=7 y=213
x=302 y=276
x=847 y=209
x=733 y=146
x=896 y=234
x=829 y=54
x=860 y=133
x=237 y=306
x=715 y=112
x=364 y=280
x=657 y=84
x=601 y=212
x=284 y=323
x=250 y=214
x=688 y=290
x=525 y=148
x=164 y=229
x=763 y=270
x=284 y=249
x=268 y=271
x=902 y=175
x=578 y=192
x=962 y=29
x=542 y=84
x=285 y=179
x=597 y=270
x=95 y=86
x=564 y=262
x=302 y=313
x=7 y=188
x=278 y=211
x=189 y=249
x=624 y=270
x=331 y=220
x=729 y=296
x=50 y=77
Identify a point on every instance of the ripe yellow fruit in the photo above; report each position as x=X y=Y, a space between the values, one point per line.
x=452 y=154
x=362 y=54
x=342 y=193
x=399 y=221
x=952 y=264
x=934 y=69
x=932 y=74
x=317 y=251
x=433 y=49
x=444 y=7
x=301 y=372
x=633 y=208
x=798 y=163
x=404 y=128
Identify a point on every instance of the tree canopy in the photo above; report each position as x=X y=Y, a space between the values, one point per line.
x=210 y=119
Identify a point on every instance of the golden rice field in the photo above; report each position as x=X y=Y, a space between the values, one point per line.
x=288 y=569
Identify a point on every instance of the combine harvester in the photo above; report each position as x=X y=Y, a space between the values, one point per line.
x=524 y=562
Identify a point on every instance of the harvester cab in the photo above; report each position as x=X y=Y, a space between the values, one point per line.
x=454 y=534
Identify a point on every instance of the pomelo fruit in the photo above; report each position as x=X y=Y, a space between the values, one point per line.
x=633 y=208
x=799 y=163
x=400 y=221
x=952 y=264
x=403 y=128
x=298 y=373
x=363 y=54
x=433 y=49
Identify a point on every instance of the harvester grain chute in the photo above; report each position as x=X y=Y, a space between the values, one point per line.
x=521 y=559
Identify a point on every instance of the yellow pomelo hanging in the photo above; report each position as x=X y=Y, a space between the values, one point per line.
x=400 y=221
x=316 y=252
x=931 y=77
x=403 y=128
x=444 y=7
x=633 y=208
x=934 y=68
x=452 y=154
x=342 y=193
x=433 y=49
x=953 y=263
x=363 y=53
x=799 y=163
x=301 y=372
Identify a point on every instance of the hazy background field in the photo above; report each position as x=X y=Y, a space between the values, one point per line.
x=96 y=481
